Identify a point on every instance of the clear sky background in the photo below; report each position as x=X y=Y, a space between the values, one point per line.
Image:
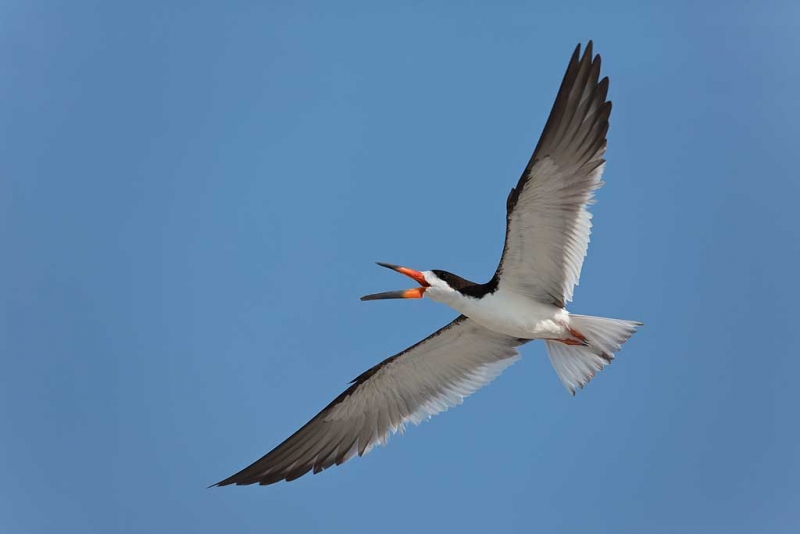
x=191 y=199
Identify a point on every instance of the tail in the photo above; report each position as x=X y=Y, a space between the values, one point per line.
x=576 y=365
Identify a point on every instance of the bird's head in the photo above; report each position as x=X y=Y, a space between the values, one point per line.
x=437 y=285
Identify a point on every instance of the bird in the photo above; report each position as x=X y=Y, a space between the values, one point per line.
x=546 y=239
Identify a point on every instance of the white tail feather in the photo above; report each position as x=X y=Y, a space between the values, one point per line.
x=576 y=365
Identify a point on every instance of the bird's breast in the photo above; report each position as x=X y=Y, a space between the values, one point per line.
x=516 y=315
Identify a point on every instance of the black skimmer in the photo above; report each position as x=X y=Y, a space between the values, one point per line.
x=547 y=235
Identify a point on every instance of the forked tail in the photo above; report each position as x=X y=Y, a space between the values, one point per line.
x=576 y=365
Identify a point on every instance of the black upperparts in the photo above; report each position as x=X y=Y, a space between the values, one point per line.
x=466 y=287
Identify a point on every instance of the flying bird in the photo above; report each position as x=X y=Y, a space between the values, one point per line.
x=547 y=236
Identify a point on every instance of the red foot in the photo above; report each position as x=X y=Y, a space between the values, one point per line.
x=578 y=335
x=568 y=341
x=577 y=338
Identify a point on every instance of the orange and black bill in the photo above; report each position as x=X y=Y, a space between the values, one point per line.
x=415 y=293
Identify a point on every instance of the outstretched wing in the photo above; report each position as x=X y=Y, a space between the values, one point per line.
x=548 y=224
x=425 y=379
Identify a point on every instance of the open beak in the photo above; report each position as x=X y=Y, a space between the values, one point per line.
x=415 y=293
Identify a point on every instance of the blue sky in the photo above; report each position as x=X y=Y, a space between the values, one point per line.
x=191 y=200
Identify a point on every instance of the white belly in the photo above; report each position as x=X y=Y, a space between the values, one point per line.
x=515 y=315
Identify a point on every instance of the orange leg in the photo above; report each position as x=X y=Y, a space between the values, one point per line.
x=579 y=336
x=577 y=339
x=569 y=341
